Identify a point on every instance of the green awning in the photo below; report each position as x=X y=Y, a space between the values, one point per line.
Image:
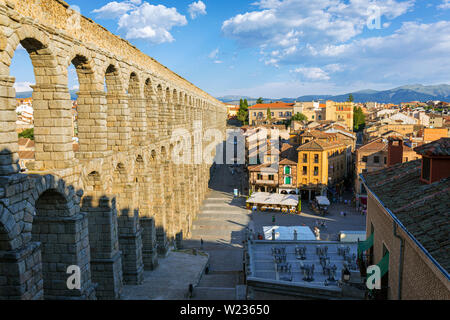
x=384 y=264
x=365 y=245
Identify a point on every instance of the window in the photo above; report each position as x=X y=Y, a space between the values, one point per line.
x=426 y=167
x=376 y=159
x=271 y=177
x=287 y=180
x=281 y=114
x=305 y=158
x=364 y=159
x=316 y=158
x=305 y=171
x=316 y=171
x=385 y=160
x=287 y=170
x=254 y=114
x=259 y=177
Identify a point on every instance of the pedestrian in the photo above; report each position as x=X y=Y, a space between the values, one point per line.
x=201 y=243
x=273 y=220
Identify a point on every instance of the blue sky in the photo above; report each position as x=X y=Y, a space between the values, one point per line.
x=280 y=48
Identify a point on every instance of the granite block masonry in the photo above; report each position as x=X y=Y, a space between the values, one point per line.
x=114 y=205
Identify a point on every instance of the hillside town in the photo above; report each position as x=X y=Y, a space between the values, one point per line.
x=326 y=161
x=121 y=179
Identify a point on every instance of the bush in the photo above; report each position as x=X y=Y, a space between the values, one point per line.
x=27 y=134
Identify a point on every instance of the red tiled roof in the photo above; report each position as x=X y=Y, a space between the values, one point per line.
x=440 y=147
x=275 y=105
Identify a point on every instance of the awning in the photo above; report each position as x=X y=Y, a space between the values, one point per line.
x=383 y=265
x=264 y=198
x=323 y=201
x=365 y=245
x=287 y=233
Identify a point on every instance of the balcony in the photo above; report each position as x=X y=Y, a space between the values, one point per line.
x=264 y=182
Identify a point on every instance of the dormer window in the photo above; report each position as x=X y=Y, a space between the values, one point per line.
x=435 y=160
x=426 y=168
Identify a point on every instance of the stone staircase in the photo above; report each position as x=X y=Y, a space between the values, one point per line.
x=221 y=223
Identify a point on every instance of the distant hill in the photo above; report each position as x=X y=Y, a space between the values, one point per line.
x=27 y=94
x=407 y=93
x=416 y=92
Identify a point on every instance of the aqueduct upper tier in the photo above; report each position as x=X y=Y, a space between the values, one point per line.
x=115 y=204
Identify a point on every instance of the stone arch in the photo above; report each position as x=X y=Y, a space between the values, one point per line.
x=118 y=111
x=175 y=97
x=91 y=105
x=50 y=100
x=134 y=85
x=60 y=229
x=34 y=39
x=151 y=110
x=159 y=92
x=168 y=95
x=94 y=182
x=137 y=106
x=113 y=78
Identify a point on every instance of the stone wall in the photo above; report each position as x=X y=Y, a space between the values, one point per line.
x=120 y=200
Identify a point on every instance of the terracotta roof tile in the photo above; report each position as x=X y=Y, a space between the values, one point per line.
x=423 y=209
x=440 y=147
x=272 y=105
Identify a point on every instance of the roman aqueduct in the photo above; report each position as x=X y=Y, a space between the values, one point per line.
x=113 y=206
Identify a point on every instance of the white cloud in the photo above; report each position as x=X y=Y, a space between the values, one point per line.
x=415 y=52
x=116 y=9
x=329 y=41
x=196 y=9
x=314 y=74
x=297 y=23
x=23 y=86
x=214 y=55
x=141 y=20
x=445 y=4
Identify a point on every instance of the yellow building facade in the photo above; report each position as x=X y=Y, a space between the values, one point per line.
x=321 y=164
x=341 y=112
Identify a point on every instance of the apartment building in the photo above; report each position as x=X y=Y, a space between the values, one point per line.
x=321 y=164
x=341 y=112
x=408 y=224
x=279 y=111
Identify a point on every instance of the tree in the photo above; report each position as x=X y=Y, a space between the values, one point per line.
x=359 y=119
x=27 y=134
x=351 y=98
x=269 y=114
x=300 y=117
x=242 y=115
x=260 y=101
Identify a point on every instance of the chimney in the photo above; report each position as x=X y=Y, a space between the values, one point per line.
x=395 y=151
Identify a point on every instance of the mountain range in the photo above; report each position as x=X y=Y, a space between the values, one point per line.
x=398 y=95
x=407 y=93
